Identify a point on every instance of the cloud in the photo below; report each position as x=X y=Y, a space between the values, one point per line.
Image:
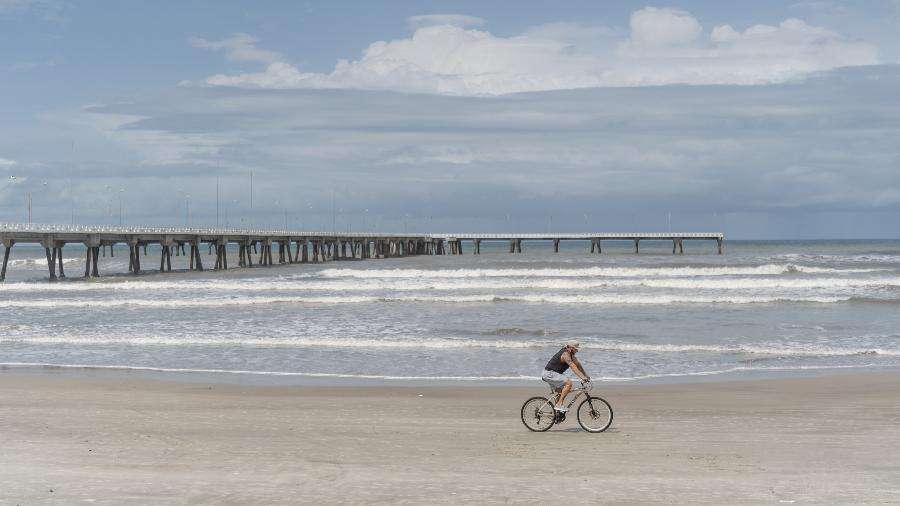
x=238 y=47
x=460 y=20
x=827 y=143
x=653 y=27
x=661 y=47
x=6 y=163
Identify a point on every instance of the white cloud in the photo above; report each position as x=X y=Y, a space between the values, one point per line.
x=826 y=143
x=238 y=47
x=652 y=27
x=416 y=22
x=7 y=163
x=578 y=37
x=662 y=46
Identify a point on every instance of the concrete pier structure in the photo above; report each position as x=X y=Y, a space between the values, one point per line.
x=311 y=247
x=594 y=239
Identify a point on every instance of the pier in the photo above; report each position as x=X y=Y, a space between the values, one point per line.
x=255 y=247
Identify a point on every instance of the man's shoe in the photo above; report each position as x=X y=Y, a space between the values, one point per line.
x=561 y=409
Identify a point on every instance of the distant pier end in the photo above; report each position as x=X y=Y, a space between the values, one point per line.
x=291 y=246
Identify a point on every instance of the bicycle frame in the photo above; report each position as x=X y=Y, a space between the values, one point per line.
x=577 y=391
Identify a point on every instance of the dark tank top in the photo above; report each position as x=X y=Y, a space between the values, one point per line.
x=556 y=364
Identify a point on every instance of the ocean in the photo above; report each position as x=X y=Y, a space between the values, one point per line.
x=763 y=306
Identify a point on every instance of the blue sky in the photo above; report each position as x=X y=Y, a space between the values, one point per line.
x=770 y=119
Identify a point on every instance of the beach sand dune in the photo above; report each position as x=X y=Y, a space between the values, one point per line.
x=113 y=439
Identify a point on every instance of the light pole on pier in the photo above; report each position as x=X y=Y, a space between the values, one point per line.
x=187 y=204
x=235 y=202
x=109 y=203
x=121 y=220
x=71 y=197
x=29 y=201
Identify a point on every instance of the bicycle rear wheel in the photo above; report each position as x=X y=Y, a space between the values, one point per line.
x=595 y=414
x=537 y=414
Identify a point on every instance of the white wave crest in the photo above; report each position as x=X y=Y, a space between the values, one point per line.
x=771 y=350
x=600 y=344
x=881 y=258
x=450 y=284
x=767 y=269
x=28 y=262
x=265 y=373
x=459 y=299
x=117 y=367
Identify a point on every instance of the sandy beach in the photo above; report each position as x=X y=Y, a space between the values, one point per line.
x=106 y=440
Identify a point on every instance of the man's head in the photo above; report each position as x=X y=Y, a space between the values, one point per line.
x=572 y=346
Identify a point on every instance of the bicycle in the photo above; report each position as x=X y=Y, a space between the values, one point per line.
x=594 y=413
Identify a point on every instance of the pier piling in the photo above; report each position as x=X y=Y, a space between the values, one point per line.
x=59 y=258
x=89 y=252
x=95 y=271
x=51 y=263
x=7 y=248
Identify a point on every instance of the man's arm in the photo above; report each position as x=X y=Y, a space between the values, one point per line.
x=575 y=365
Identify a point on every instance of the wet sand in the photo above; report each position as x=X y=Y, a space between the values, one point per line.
x=108 y=439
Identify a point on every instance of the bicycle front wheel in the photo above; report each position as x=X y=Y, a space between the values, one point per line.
x=537 y=414
x=595 y=414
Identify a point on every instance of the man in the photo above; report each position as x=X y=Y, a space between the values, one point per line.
x=558 y=364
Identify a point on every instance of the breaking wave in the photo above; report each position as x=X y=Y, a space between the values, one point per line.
x=599 y=344
x=448 y=284
x=448 y=299
x=374 y=377
x=768 y=269
x=29 y=262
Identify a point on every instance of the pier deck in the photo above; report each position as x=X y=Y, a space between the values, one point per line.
x=293 y=246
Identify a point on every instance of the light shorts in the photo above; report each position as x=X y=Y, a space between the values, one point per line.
x=555 y=379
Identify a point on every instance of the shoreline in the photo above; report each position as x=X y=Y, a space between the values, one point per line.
x=286 y=378
x=110 y=439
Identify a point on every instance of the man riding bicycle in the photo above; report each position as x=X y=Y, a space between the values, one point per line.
x=560 y=363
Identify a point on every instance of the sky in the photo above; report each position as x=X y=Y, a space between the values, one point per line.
x=765 y=120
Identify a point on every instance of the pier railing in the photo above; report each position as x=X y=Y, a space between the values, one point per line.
x=143 y=230
x=583 y=236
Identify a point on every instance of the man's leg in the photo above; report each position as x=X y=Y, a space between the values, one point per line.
x=563 y=392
